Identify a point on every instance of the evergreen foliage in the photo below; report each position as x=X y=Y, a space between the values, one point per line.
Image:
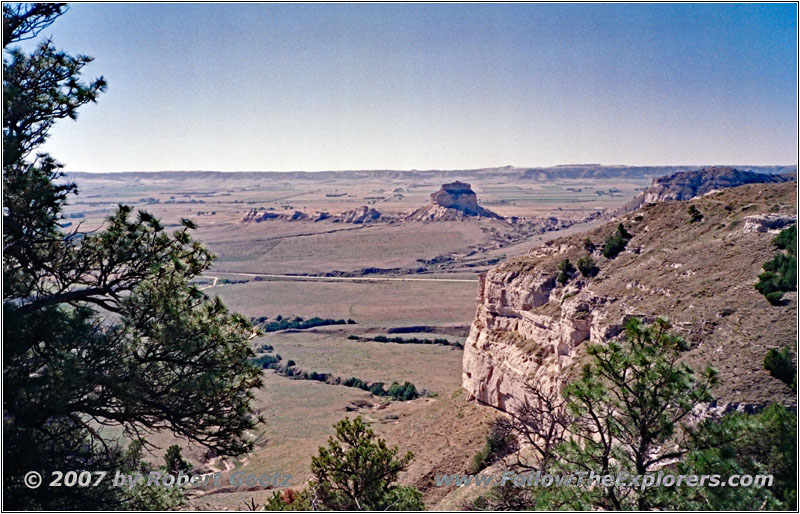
x=616 y=242
x=695 y=216
x=358 y=471
x=587 y=267
x=780 y=272
x=566 y=269
x=102 y=327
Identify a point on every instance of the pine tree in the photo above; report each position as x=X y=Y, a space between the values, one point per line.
x=357 y=471
x=100 y=328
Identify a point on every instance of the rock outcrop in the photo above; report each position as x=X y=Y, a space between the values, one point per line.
x=511 y=345
x=772 y=223
x=529 y=329
x=363 y=214
x=257 y=216
x=689 y=184
x=452 y=202
x=360 y=215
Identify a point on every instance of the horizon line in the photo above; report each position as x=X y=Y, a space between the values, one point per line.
x=429 y=170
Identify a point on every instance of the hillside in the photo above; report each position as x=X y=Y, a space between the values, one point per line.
x=698 y=275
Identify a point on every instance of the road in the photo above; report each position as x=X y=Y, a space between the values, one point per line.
x=376 y=278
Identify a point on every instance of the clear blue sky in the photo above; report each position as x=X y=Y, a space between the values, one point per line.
x=326 y=87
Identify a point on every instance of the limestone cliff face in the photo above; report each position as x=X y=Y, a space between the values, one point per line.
x=530 y=329
x=510 y=345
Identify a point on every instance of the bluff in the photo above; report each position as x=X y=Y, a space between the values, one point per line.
x=453 y=201
x=530 y=329
x=686 y=185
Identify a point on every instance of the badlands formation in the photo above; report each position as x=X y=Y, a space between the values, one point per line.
x=455 y=201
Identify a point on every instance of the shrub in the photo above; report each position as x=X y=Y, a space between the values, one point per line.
x=298 y=323
x=780 y=272
x=358 y=471
x=404 y=392
x=779 y=364
x=587 y=267
x=499 y=443
x=566 y=269
x=588 y=245
x=695 y=215
x=266 y=361
x=787 y=240
x=616 y=242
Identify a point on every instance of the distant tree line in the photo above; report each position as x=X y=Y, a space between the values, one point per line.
x=297 y=323
x=407 y=340
x=396 y=391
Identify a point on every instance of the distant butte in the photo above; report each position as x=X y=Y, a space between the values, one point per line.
x=452 y=202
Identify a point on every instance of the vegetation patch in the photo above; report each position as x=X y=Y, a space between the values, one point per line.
x=296 y=323
x=616 y=242
x=407 y=340
x=566 y=269
x=396 y=391
x=499 y=443
x=587 y=267
x=780 y=272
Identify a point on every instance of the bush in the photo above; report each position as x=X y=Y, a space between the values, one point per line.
x=355 y=382
x=588 y=245
x=499 y=443
x=616 y=242
x=266 y=361
x=787 y=240
x=780 y=272
x=404 y=392
x=695 y=215
x=411 y=340
x=587 y=267
x=298 y=323
x=566 y=269
x=779 y=364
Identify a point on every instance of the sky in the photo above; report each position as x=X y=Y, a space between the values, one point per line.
x=280 y=87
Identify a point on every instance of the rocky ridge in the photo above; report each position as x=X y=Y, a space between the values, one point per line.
x=363 y=214
x=688 y=184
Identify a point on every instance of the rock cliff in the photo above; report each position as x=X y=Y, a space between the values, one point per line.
x=531 y=329
x=452 y=202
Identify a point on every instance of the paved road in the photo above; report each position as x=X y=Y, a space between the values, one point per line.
x=356 y=279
